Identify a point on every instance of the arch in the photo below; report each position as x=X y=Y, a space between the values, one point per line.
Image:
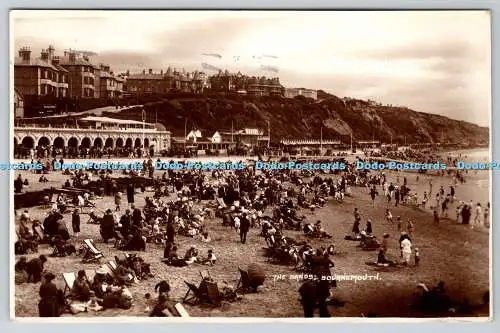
x=146 y=143
x=86 y=142
x=108 y=143
x=43 y=141
x=128 y=143
x=28 y=142
x=98 y=142
x=137 y=143
x=119 y=143
x=59 y=142
x=73 y=142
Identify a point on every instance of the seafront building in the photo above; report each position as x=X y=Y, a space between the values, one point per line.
x=93 y=132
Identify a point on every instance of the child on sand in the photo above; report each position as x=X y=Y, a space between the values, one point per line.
x=388 y=215
x=436 y=217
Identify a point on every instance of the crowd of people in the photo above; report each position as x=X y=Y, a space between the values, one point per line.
x=184 y=202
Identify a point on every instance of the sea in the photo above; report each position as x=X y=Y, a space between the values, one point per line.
x=472 y=155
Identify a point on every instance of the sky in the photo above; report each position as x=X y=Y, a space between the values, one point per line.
x=430 y=61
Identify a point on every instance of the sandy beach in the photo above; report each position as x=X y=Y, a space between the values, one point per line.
x=449 y=251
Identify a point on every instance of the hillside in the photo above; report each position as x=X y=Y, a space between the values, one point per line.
x=303 y=118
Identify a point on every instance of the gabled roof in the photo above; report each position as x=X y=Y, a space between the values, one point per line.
x=33 y=62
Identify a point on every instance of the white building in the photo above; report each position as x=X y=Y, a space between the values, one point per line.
x=294 y=92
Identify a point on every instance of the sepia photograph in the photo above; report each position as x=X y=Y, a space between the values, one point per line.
x=250 y=164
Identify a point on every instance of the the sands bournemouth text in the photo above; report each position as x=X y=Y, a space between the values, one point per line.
x=336 y=277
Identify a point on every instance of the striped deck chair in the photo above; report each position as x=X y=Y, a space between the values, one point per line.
x=91 y=253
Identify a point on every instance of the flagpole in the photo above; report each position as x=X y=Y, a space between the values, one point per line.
x=143 y=126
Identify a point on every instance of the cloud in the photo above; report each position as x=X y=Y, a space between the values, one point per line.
x=426 y=50
x=435 y=62
x=190 y=40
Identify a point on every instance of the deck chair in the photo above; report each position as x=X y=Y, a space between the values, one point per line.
x=192 y=295
x=107 y=269
x=90 y=274
x=39 y=232
x=69 y=280
x=90 y=252
x=221 y=203
x=113 y=266
x=209 y=292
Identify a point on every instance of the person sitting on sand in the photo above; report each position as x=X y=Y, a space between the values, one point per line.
x=381 y=258
x=204 y=237
x=164 y=307
x=191 y=255
x=81 y=288
x=210 y=260
x=124 y=275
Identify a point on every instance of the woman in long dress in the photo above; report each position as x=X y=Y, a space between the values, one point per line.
x=52 y=299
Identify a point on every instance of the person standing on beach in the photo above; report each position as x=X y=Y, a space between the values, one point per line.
x=486 y=220
x=130 y=193
x=430 y=186
x=75 y=222
x=478 y=216
x=373 y=194
x=396 y=196
x=424 y=200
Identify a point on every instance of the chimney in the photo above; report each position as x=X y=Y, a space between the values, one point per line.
x=150 y=71
x=44 y=55
x=72 y=56
x=51 y=51
x=161 y=72
x=55 y=60
x=143 y=71
x=25 y=53
x=86 y=57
